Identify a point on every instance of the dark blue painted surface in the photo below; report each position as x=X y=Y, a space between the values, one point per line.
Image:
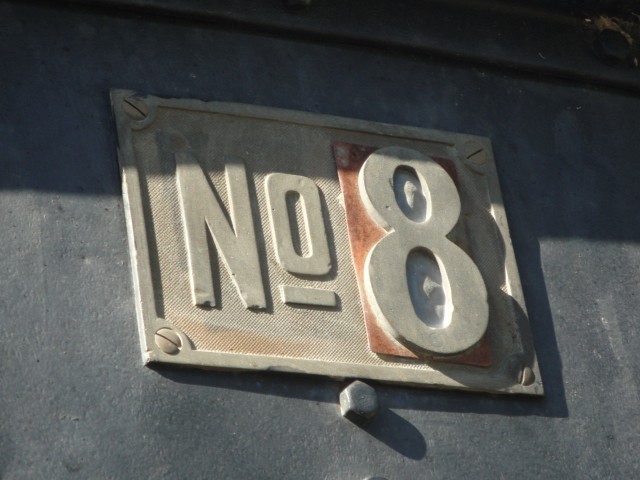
x=75 y=400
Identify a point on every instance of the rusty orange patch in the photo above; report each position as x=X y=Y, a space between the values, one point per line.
x=364 y=233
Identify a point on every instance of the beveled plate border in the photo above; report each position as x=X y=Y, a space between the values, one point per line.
x=503 y=377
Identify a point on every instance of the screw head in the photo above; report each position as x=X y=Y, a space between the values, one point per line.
x=168 y=341
x=612 y=45
x=135 y=108
x=526 y=376
x=359 y=403
x=475 y=153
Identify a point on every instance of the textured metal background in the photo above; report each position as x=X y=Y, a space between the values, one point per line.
x=75 y=401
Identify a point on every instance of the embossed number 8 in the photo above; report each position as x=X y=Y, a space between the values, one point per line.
x=425 y=291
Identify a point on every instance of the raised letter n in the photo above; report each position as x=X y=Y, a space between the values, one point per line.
x=236 y=244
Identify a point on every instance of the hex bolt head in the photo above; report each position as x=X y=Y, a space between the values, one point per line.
x=135 y=108
x=168 y=341
x=359 y=403
x=526 y=376
x=612 y=45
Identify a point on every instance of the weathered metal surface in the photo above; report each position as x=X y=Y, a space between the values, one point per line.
x=254 y=301
x=75 y=401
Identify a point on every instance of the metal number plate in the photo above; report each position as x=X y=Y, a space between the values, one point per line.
x=276 y=240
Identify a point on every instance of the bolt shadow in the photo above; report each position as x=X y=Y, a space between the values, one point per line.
x=398 y=434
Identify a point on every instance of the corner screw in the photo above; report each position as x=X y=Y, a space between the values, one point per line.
x=135 y=108
x=475 y=153
x=612 y=45
x=168 y=341
x=359 y=403
x=526 y=376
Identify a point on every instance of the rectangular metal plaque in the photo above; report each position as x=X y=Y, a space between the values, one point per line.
x=276 y=240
